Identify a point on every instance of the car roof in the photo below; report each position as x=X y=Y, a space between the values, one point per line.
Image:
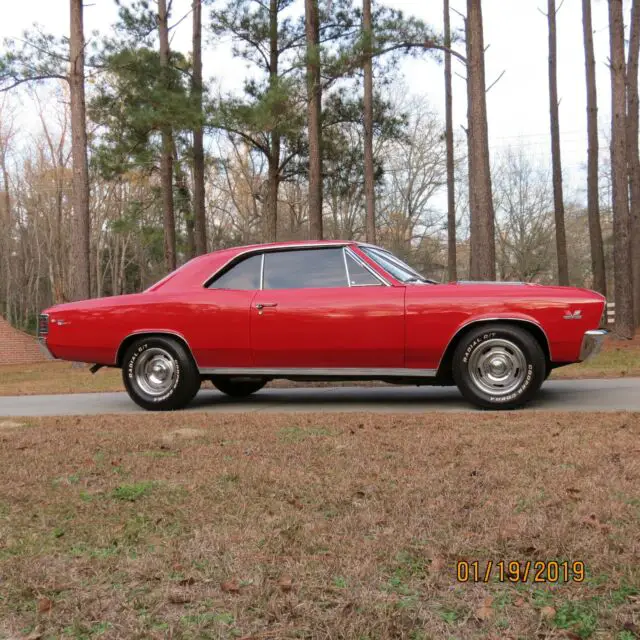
x=205 y=265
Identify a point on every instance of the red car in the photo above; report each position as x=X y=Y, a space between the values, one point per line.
x=326 y=311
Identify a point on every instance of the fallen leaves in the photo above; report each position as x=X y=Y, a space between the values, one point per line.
x=230 y=586
x=44 y=605
x=285 y=583
x=548 y=612
x=179 y=597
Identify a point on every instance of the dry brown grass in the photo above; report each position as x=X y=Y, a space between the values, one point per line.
x=618 y=359
x=56 y=377
x=315 y=526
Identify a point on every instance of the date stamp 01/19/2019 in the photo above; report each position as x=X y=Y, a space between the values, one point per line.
x=535 y=571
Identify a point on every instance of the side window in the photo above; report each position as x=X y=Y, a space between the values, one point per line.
x=360 y=276
x=305 y=269
x=244 y=276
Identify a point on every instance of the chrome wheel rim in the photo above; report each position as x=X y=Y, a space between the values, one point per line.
x=155 y=371
x=498 y=367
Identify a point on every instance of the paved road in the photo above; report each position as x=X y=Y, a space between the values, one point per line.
x=562 y=395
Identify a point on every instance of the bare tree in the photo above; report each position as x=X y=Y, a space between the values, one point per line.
x=593 y=200
x=415 y=175
x=633 y=160
x=523 y=218
x=624 y=325
x=166 y=155
x=482 y=240
x=369 y=178
x=7 y=132
x=452 y=270
x=199 y=212
x=314 y=109
x=81 y=232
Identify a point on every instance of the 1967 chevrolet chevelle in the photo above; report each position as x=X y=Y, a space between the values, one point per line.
x=326 y=311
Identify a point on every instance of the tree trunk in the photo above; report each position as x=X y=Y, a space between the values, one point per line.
x=184 y=203
x=270 y=215
x=80 y=273
x=452 y=267
x=633 y=160
x=314 y=110
x=7 y=236
x=199 y=213
x=623 y=273
x=482 y=241
x=369 y=178
x=166 y=155
x=593 y=200
x=556 y=160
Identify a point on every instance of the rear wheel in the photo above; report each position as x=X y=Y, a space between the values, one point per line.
x=159 y=374
x=237 y=387
x=499 y=366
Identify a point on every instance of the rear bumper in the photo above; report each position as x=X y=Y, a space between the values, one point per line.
x=42 y=343
x=592 y=343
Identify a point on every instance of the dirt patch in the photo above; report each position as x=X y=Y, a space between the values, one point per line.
x=315 y=526
x=11 y=424
x=183 y=434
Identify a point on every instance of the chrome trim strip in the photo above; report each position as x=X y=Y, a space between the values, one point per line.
x=346 y=266
x=338 y=372
x=481 y=320
x=262 y=273
x=285 y=247
x=592 y=343
x=362 y=263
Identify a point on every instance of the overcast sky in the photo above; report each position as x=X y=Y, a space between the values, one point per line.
x=515 y=32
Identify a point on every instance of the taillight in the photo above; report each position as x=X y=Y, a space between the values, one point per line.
x=43 y=325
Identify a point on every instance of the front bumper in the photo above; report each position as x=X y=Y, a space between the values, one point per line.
x=592 y=343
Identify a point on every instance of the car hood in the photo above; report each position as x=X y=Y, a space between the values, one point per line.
x=511 y=288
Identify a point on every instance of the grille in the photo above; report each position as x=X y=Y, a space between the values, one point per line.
x=43 y=325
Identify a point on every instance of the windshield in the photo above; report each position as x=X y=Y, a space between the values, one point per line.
x=398 y=269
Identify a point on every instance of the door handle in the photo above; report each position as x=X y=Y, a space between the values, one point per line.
x=263 y=305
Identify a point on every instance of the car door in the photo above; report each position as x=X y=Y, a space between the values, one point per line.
x=323 y=308
x=224 y=309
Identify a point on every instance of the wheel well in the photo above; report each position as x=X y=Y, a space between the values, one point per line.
x=444 y=370
x=122 y=349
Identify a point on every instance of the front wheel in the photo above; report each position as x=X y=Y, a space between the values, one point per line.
x=159 y=374
x=499 y=366
x=237 y=387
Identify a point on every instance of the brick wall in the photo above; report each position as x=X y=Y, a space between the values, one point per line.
x=17 y=347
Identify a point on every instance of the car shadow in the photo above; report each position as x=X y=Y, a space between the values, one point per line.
x=336 y=396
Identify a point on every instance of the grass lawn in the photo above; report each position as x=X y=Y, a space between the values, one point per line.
x=618 y=359
x=314 y=526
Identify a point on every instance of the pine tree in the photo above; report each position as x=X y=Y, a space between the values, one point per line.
x=452 y=264
x=199 y=212
x=482 y=240
x=268 y=117
x=369 y=178
x=593 y=198
x=623 y=274
x=314 y=117
x=558 y=198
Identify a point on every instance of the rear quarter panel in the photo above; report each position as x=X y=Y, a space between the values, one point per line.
x=435 y=314
x=211 y=322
